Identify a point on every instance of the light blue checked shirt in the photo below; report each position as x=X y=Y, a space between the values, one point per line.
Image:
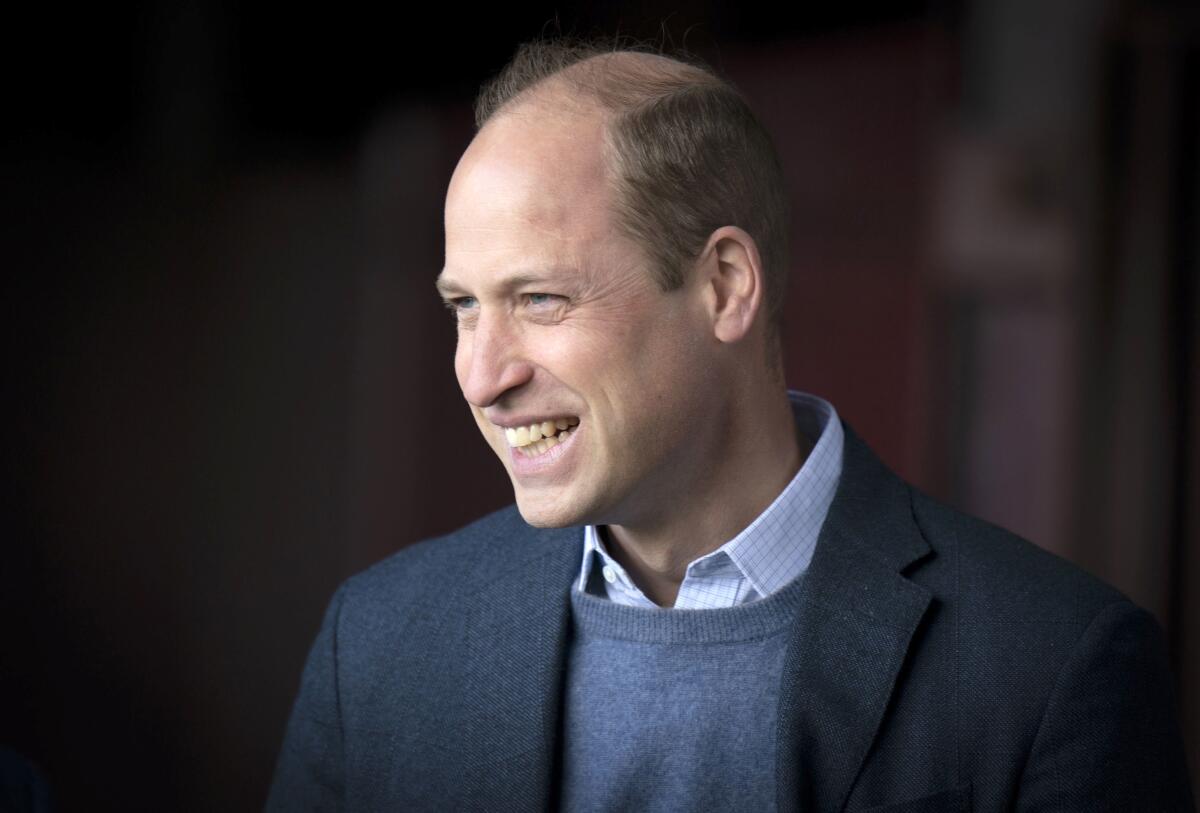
x=772 y=550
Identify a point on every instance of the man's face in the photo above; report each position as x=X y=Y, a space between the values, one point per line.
x=561 y=324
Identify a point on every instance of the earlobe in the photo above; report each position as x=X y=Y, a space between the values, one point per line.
x=737 y=282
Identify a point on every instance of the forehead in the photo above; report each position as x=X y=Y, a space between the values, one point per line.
x=531 y=192
x=534 y=163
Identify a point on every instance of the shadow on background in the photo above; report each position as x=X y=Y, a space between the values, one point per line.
x=229 y=377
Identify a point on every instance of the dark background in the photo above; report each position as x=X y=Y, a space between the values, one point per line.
x=228 y=377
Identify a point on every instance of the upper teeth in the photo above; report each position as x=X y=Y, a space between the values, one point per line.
x=525 y=435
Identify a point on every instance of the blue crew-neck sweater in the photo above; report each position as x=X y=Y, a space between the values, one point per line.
x=670 y=710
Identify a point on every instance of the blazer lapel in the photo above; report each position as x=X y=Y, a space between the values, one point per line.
x=851 y=634
x=516 y=641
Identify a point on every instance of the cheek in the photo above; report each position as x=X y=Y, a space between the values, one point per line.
x=675 y=366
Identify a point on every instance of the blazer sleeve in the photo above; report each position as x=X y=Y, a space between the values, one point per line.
x=1109 y=737
x=309 y=774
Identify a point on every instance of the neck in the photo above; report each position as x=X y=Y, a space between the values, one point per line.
x=761 y=455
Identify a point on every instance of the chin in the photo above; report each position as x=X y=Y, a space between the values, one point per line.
x=539 y=514
x=544 y=519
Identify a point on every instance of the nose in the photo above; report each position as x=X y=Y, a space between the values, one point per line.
x=490 y=361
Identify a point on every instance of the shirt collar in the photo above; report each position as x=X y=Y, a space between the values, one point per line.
x=778 y=545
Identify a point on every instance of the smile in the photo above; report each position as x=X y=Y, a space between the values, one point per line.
x=539 y=438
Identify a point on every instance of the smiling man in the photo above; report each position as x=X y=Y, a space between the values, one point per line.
x=710 y=593
x=668 y=392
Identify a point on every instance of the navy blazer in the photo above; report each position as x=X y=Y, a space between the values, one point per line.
x=938 y=663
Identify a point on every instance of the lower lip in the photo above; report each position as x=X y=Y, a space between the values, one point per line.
x=549 y=461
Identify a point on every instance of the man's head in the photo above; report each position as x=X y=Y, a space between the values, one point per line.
x=686 y=153
x=594 y=293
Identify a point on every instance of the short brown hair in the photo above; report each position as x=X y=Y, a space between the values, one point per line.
x=688 y=154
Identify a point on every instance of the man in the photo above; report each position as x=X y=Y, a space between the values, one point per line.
x=615 y=259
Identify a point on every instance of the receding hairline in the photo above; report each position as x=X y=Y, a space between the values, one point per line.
x=602 y=86
x=610 y=82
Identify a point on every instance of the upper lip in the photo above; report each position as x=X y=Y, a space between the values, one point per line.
x=516 y=422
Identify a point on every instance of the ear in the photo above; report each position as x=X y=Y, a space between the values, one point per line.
x=733 y=276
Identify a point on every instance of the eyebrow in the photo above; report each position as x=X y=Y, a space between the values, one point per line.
x=445 y=287
x=448 y=288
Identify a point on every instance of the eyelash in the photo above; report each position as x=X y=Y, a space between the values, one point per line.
x=550 y=298
x=456 y=305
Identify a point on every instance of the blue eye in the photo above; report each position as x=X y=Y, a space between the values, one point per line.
x=462 y=308
x=539 y=300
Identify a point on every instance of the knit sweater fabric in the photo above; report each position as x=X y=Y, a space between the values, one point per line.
x=670 y=710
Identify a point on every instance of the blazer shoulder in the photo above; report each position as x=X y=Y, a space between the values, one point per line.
x=436 y=567
x=1000 y=572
